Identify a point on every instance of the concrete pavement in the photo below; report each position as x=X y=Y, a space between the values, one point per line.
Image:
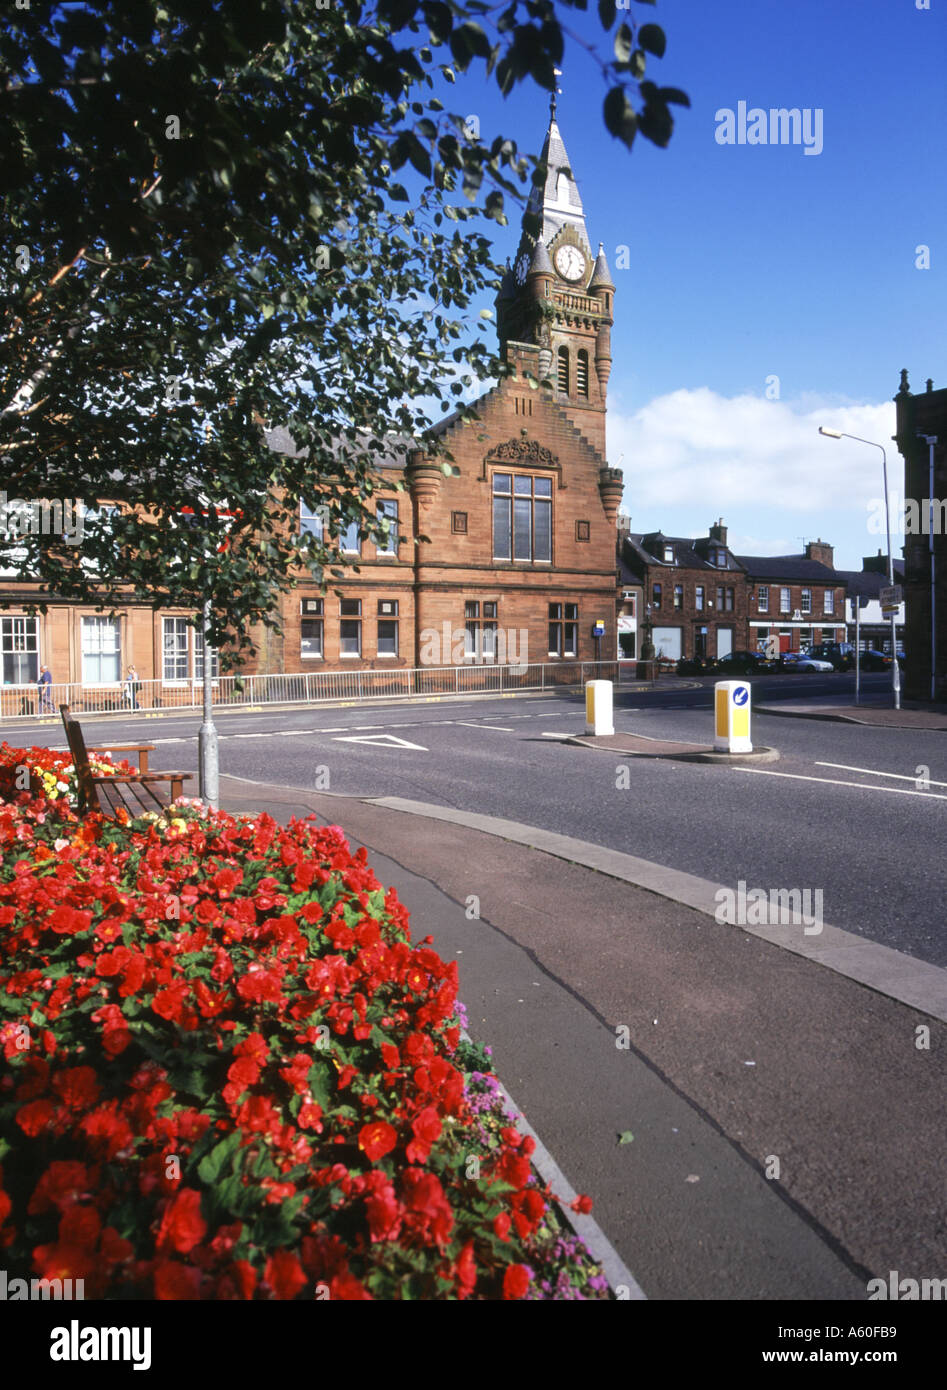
x=614 y=1008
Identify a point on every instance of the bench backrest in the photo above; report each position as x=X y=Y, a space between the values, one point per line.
x=88 y=796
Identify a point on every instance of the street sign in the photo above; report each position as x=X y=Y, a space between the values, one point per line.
x=732 y=717
x=891 y=597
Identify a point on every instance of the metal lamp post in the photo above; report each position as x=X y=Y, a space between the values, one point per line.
x=207 y=749
x=895 y=668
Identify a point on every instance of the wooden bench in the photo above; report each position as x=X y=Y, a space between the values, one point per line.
x=111 y=792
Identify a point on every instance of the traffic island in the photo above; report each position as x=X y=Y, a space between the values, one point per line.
x=639 y=746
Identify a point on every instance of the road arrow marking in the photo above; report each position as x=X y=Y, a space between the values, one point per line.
x=383 y=741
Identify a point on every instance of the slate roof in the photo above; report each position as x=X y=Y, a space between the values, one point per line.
x=649 y=550
x=795 y=569
x=545 y=202
x=869 y=583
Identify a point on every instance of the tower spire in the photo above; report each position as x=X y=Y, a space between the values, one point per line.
x=556 y=91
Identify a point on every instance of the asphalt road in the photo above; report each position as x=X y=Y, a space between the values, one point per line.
x=841 y=812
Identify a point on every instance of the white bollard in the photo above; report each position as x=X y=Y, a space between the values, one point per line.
x=732 y=717
x=598 y=708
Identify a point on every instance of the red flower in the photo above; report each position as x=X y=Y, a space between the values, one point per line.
x=501 y=1226
x=80 y=1226
x=466 y=1271
x=382 y=1209
x=63 y=1183
x=182 y=1225
x=237 y=1282
x=284 y=1274
x=515 y=1282
x=77 y=1087
x=254 y=1047
x=66 y=921
x=582 y=1204
x=35 y=1117
x=427 y=1130
x=310 y=1116
x=176 y=1281
x=377 y=1139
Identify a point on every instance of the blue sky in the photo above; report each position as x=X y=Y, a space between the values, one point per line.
x=755 y=262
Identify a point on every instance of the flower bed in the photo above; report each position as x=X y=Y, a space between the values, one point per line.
x=230 y=1074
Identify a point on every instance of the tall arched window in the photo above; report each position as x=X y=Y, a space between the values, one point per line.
x=564 y=369
x=582 y=373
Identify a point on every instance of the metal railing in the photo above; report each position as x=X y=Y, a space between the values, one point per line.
x=306 y=687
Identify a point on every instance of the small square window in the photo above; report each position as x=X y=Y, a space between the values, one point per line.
x=388 y=608
x=350 y=607
x=458 y=523
x=472 y=608
x=582 y=531
x=489 y=610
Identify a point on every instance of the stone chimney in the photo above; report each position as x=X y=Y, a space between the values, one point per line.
x=822 y=552
x=718 y=532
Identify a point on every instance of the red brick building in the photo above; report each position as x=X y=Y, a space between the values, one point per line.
x=694 y=592
x=799 y=598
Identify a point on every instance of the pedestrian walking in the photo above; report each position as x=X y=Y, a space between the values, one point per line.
x=132 y=687
x=45 y=683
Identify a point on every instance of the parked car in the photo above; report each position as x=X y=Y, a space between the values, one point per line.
x=872 y=660
x=840 y=655
x=694 y=666
x=743 y=664
x=803 y=663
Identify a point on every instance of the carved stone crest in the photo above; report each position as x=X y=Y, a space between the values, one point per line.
x=524 y=451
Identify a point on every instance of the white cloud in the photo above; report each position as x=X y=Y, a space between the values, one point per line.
x=696 y=447
x=693 y=456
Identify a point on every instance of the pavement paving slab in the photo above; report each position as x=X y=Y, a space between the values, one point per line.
x=879 y=716
x=742 y=1059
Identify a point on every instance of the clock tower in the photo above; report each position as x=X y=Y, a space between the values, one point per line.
x=555 y=305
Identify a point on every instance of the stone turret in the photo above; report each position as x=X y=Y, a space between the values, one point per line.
x=611 y=485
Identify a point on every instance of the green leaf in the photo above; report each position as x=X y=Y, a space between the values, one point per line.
x=212 y=1165
x=606 y=13
x=626 y=1137
x=623 y=43
x=651 y=38
x=620 y=119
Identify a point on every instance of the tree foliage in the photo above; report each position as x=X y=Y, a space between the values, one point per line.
x=209 y=225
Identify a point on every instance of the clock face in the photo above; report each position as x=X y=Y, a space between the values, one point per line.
x=570 y=262
x=522 y=266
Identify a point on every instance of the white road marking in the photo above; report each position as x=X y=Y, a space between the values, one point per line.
x=383 y=741
x=572 y=735
x=496 y=727
x=875 y=773
x=835 y=782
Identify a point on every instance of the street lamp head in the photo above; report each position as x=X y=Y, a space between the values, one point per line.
x=830 y=434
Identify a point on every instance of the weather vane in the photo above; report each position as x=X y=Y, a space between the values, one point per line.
x=557 y=72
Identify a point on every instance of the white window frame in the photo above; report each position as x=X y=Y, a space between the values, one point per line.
x=96 y=622
x=805 y=601
x=785 y=600
x=762 y=598
x=350 y=618
x=388 y=506
x=16 y=628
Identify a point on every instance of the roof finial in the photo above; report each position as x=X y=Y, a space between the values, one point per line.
x=556 y=91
